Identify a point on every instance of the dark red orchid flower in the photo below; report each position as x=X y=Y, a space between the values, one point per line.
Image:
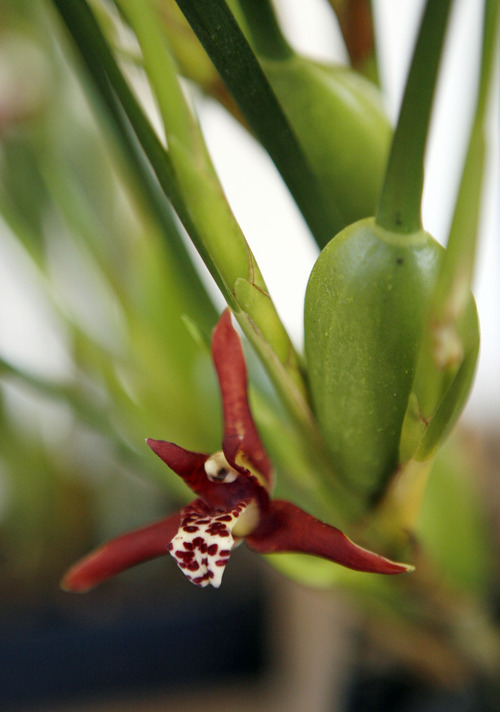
x=233 y=501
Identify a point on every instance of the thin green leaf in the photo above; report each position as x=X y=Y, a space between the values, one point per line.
x=455 y=279
x=399 y=207
x=447 y=346
x=225 y=43
x=206 y=217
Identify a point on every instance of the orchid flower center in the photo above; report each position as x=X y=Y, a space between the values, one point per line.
x=218 y=469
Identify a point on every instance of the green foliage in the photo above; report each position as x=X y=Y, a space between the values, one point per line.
x=453 y=523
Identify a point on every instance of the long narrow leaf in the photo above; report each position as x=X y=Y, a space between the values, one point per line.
x=399 y=208
x=119 y=98
x=228 y=49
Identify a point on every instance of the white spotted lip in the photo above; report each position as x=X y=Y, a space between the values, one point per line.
x=203 y=544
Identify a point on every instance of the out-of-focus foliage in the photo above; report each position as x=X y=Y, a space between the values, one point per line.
x=129 y=367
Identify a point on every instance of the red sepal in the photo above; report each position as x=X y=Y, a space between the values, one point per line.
x=287 y=528
x=121 y=553
x=188 y=465
x=229 y=361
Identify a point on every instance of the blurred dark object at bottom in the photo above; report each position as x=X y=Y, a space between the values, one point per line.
x=129 y=639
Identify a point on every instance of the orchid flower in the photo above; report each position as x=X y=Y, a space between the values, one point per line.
x=233 y=501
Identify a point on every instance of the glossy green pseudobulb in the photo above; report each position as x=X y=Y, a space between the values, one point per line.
x=365 y=313
x=340 y=122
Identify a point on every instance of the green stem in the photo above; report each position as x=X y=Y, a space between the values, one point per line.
x=244 y=291
x=442 y=382
x=265 y=33
x=458 y=265
x=188 y=156
x=223 y=40
x=399 y=208
x=490 y=47
x=178 y=120
x=117 y=93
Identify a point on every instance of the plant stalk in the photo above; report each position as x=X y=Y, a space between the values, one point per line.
x=225 y=43
x=399 y=208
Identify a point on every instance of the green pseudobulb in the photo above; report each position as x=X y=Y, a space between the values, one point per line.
x=339 y=119
x=366 y=310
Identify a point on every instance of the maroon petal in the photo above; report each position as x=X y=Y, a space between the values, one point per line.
x=191 y=467
x=121 y=553
x=188 y=465
x=231 y=370
x=286 y=528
